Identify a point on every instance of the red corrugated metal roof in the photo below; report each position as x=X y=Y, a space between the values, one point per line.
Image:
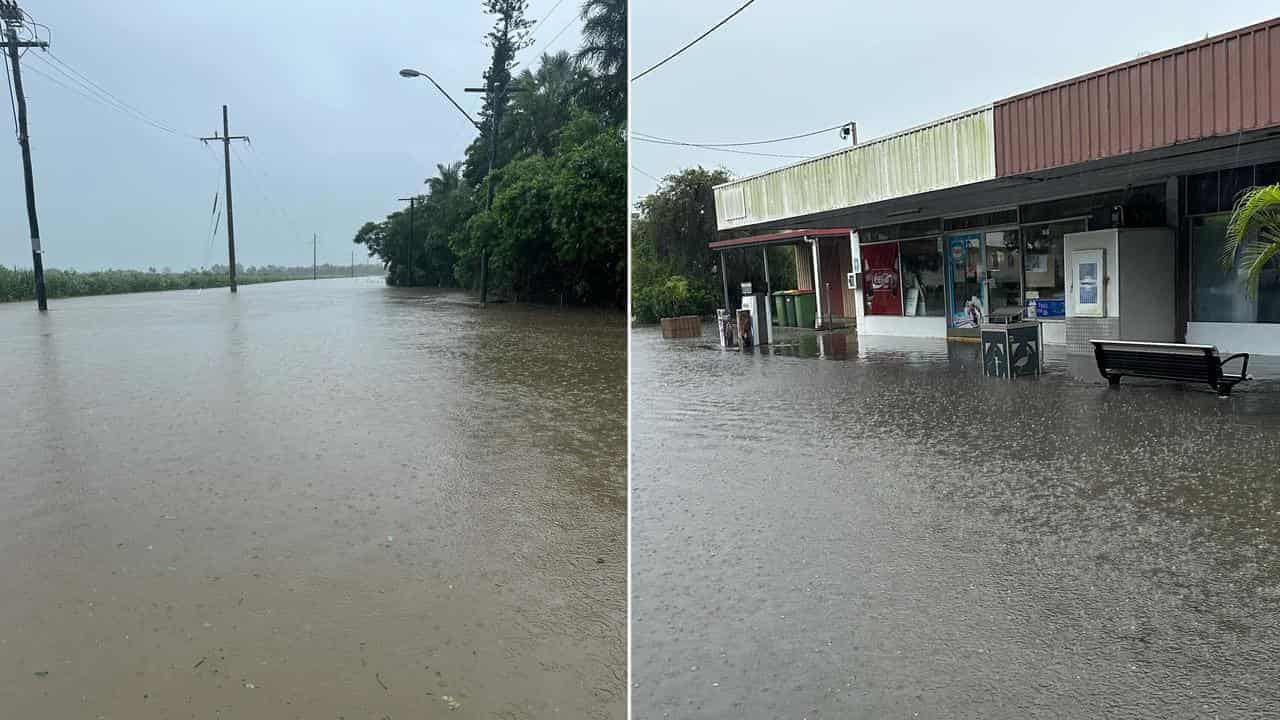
x=779 y=237
x=1217 y=86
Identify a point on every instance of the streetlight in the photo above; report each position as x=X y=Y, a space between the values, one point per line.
x=493 y=151
x=411 y=73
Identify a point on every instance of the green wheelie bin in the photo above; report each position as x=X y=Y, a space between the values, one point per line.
x=806 y=305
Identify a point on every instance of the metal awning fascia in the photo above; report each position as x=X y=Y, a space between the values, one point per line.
x=778 y=238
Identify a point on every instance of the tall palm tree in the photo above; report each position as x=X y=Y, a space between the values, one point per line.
x=537 y=115
x=1257 y=209
x=448 y=179
x=604 y=45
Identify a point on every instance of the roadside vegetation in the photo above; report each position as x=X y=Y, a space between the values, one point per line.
x=673 y=271
x=557 y=229
x=19 y=284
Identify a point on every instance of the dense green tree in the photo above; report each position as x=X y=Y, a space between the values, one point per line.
x=681 y=219
x=557 y=229
x=546 y=103
x=672 y=267
x=588 y=202
x=604 y=46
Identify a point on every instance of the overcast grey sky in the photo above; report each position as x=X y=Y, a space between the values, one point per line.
x=786 y=67
x=337 y=135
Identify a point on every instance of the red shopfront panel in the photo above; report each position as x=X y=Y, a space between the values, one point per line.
x=880 y=280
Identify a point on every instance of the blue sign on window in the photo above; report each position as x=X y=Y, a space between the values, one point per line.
x=1051 y=308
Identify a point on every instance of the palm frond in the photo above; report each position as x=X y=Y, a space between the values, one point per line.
x=1255 y=207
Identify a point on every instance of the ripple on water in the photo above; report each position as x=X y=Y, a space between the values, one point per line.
x=892 y=534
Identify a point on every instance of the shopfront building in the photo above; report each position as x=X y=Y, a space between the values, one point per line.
x=971 y=217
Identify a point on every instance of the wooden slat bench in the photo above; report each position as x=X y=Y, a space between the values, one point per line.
x=1168 y=361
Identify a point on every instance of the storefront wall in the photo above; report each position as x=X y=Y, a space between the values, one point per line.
x=1223 y=310
x=1259 y=338
x=999 y=260
x=881 y=301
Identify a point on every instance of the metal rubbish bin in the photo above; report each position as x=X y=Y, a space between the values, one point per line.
x=779 y=308
x=806 y=304
x=1011 y=349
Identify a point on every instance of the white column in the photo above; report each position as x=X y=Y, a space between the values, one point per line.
x=818 y=288
x=855 y=262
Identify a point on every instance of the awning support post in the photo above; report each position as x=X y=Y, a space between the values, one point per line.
x=724 y=280
x=768 y=284
x=817 y=280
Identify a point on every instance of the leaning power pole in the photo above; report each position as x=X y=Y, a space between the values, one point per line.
x=226 y=139
x=12 y=16
x=313 y=256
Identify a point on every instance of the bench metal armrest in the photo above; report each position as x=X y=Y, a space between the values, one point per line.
x=1244 y=367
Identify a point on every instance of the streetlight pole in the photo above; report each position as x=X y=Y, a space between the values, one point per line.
x=493 y=154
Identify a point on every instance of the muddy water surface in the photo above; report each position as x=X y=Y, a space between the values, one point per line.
x=890 y=535
x=313 y=500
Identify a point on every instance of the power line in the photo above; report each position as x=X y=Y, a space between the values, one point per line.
x=12 y=107
x=83 y=81
x=744 y=144
x=673 y=55
x=262 y=188
x=721 y=149
x=551 y=12
x=555 y=37
x=633 y=167
x=85 y=92
x=108 y=93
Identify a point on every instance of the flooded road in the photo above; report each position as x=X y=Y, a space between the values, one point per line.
x=891 y=535
x=314 y=500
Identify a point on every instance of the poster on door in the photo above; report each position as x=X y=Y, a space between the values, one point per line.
x=967 y=307
x=881 y=291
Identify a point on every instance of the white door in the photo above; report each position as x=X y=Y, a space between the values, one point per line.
x=1088 y=283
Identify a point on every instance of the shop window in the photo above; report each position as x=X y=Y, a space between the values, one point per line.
x=1044 y=277
x=1230 y=184
x=1268 y=174
x=923 y=278
x=1221 y=294
x=1004 y=271
x=1202 y=193
x=881 y=283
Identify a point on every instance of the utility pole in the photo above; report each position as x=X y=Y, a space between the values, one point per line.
x=12 y=17
x=496 y=99
x=494 y=111
x=488 y=206
x=413 y=202
x=489 y=179
x=226 y=139
x=353 y=263
x=313 y=256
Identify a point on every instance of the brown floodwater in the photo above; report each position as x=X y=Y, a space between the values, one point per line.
x=321 y=499
x=881 y=532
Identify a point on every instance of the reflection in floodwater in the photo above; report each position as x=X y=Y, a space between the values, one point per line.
x=894 y=535
x=328 y=499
